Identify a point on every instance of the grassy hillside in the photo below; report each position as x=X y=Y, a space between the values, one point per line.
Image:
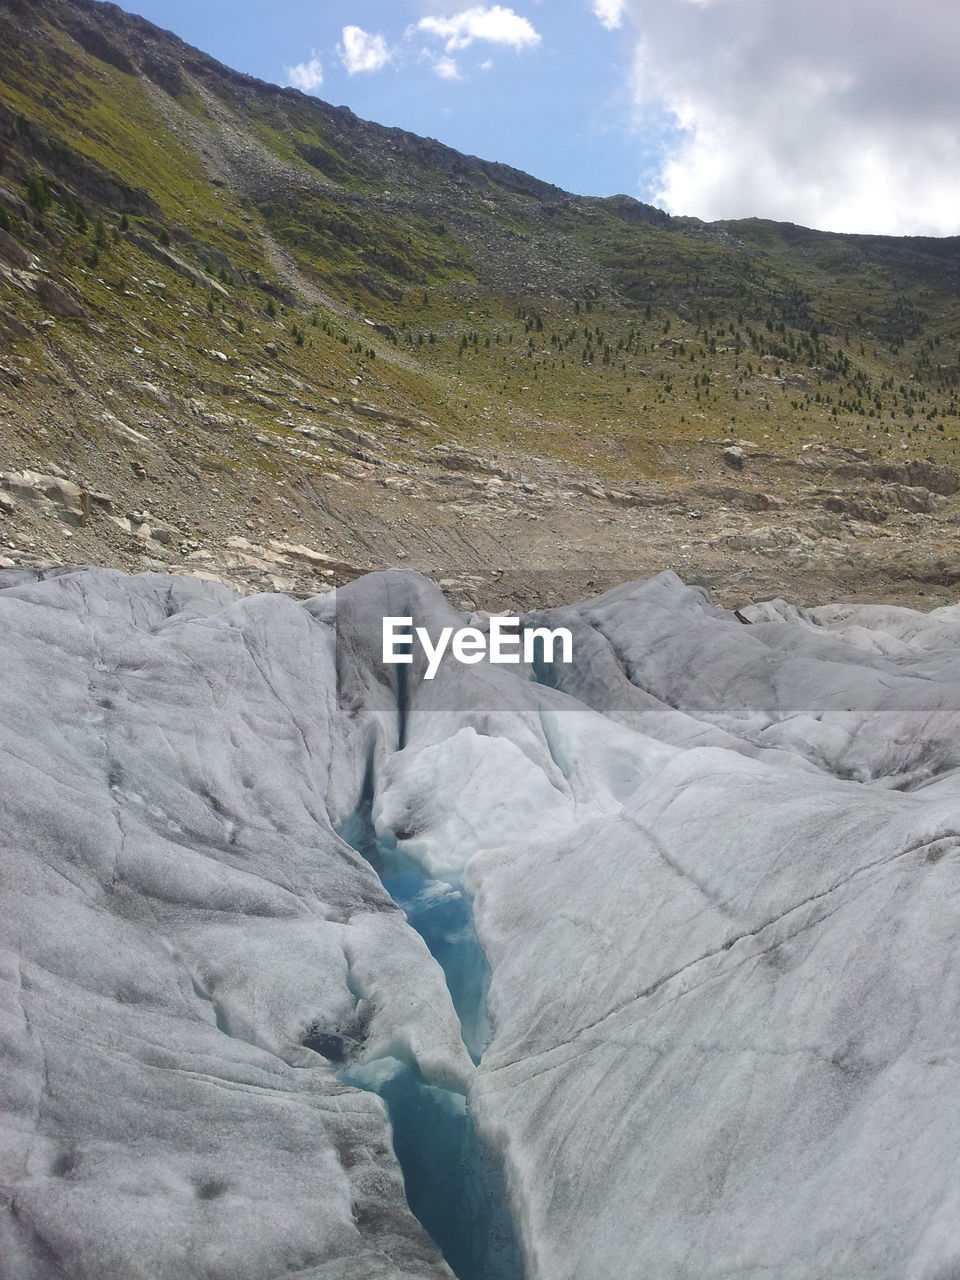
x=503 y=294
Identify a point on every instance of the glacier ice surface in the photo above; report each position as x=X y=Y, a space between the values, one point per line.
x=714 y=873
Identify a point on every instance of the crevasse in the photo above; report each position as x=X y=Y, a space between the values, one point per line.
x=453 y=1179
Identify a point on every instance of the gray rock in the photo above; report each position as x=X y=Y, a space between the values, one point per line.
x=910 y=497
x=161 y=531
x=71 y=500
x=12 y=252
x=56 y=300
x=855 y=508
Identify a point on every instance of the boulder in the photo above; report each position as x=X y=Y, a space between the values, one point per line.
x=58 y=301
x=72 y=501
x=855 y=508
x=906 y=497
x=12 y=252
x=944 y=481
x=316 y=560
x=915 y=473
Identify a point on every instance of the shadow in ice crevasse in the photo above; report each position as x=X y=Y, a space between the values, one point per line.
x=442 y=914
x=453 y=1179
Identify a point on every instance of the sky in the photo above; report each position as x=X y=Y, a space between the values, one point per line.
x=838 y=114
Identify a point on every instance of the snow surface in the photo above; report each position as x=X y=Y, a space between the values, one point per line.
x=715 y=874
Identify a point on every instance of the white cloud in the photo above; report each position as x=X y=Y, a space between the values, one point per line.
x=486 y=64
x=307 y=76
x=362 y=51
x=610 y=12
x=827 y=113
x=446 y=68
x=496 y=25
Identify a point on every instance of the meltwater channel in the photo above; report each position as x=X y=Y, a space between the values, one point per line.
x=453 y=1179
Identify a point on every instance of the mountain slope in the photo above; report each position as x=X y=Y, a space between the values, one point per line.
x=199 y=273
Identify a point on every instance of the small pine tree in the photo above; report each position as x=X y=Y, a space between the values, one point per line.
x=6 y=222
x=38 y=193
x=80 y=220
x=100 y=234
x=124 y=222
x=164 y=237
x=271 y=308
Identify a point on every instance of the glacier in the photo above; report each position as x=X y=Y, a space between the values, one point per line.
x=655 y=949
